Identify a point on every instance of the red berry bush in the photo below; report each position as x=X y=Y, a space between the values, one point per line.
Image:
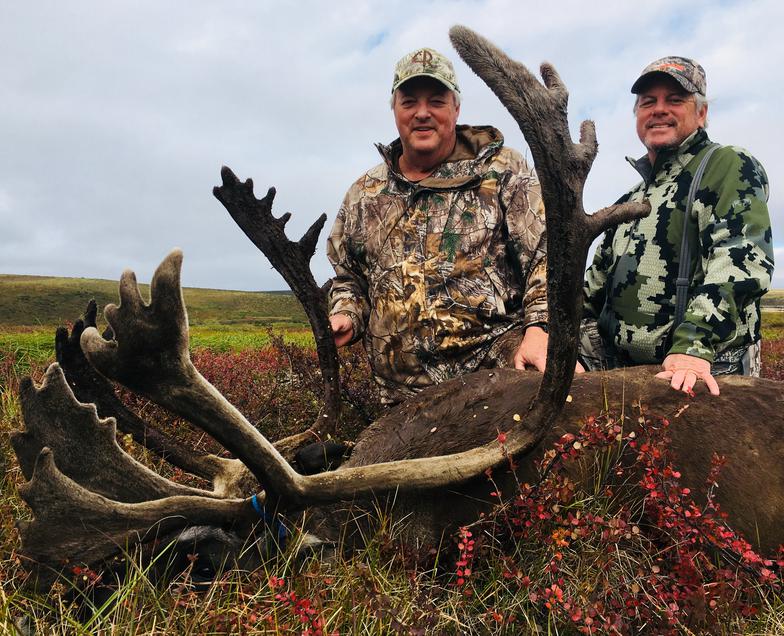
x=609 y=542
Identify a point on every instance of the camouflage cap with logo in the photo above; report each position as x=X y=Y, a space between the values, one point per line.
x=686 y=72
x=427 y=63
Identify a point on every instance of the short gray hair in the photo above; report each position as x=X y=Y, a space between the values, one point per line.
x=455 y=96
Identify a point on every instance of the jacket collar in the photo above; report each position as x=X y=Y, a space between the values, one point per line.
x=473 y=145
x=666 y=160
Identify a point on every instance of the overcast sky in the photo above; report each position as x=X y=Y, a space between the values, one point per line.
x=115 y=117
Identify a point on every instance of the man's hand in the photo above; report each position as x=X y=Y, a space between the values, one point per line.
x=342 y=329
x=532 y=351
x=683 y=371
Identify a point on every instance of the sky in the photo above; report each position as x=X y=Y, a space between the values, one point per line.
x=116 y=117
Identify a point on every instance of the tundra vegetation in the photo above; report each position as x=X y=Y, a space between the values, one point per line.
x=610 y=507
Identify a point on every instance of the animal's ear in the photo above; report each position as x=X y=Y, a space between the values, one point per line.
x=320 y=456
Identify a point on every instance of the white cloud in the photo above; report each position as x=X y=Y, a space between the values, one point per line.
x=116 y=117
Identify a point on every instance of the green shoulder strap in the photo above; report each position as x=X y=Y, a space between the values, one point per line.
x=684 y=274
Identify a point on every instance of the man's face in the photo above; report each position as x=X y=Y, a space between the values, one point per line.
x=425 y=116
x=666 y=115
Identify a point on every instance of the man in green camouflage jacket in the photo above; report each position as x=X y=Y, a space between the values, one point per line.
x=630 y=289
x=439 y=251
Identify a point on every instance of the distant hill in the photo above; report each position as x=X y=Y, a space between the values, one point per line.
x=52 y=301
x=774 y=299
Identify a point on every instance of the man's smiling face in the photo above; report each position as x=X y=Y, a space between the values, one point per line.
x=425 y=115
x=666 y=115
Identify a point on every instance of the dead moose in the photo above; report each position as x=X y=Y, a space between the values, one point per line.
x=90 y=499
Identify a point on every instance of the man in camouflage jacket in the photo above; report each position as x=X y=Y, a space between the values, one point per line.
x=439 y=251
x=630 y=288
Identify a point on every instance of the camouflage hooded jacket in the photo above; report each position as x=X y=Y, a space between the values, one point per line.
x=630 y=287
x=432 y=273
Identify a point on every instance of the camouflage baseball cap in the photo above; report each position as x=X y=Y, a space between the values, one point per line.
x=427 y=63
x=686 y=72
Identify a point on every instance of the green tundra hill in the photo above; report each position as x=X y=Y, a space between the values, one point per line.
x=44 y=301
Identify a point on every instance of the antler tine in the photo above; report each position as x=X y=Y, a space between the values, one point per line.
x=524 y=96
x=63 y=510
x=540 y=111
x=292 y=261
x=85 y=447
x=310 y=238
x=150 y=357
x=90 y=387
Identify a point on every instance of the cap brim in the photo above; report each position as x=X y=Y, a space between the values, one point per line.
x=450 y=86
x=645 y=77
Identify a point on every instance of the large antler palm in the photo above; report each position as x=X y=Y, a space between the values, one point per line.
x=228 y=476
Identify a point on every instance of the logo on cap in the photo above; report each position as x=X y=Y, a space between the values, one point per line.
x=424 y=56
x=688 y=73
x=670 y=65
x=425 y=63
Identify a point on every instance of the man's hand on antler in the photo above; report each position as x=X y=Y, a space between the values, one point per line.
x=683 y=371
x=342 y=329
x=532 y=351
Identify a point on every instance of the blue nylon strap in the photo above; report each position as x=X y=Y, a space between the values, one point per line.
x=254 y=500
x=271 y=521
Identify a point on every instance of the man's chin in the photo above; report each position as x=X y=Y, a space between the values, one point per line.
x=661 y=146
x=424 y=149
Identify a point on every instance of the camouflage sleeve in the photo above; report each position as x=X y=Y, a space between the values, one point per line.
x=521 y=197
x=595 y=284
x=736 y=251
x=348 y=294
